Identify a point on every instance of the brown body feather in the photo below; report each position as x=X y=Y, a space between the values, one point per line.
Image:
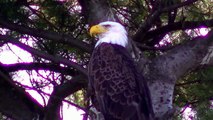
x=114 y=85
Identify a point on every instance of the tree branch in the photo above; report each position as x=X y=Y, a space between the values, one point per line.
x=68 y=88
x=15 y=102
x=183 y=25
x=139 y=36
x=188 y=83
x=60 y=38
x=37 y=66
x=176 y=6
x=55 y=59
x=60 y=92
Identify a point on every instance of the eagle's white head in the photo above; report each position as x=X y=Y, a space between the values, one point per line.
x=110 y=32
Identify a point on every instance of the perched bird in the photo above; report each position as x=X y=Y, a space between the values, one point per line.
x=117 y=90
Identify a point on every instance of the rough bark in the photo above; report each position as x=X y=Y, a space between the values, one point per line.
x=96 y=11
x=163 y=71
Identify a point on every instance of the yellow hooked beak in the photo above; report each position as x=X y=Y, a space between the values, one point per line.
x=97 y=29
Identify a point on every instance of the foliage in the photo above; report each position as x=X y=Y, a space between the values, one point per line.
x=195 y=90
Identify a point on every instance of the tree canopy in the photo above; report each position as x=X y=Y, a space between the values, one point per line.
x=172 y=45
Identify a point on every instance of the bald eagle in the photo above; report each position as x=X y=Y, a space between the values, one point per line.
x=117 y=90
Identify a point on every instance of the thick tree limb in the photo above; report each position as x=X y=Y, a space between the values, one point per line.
x=187 y=56
x=33 y=51
x=163 y=71
x=60 y=38
x=53 y=107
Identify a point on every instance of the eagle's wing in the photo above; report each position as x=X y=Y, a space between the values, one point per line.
x=115 y=82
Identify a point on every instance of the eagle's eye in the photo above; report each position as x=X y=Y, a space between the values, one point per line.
x=107 y=26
